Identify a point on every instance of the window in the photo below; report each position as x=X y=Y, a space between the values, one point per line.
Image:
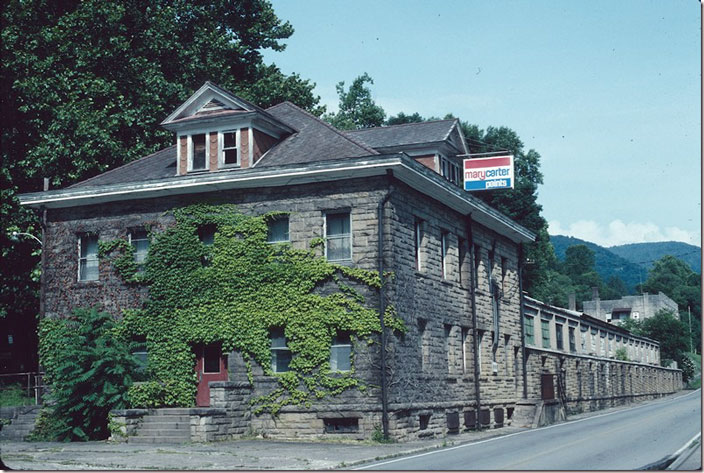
x=449 y=354
x=140 y=242
x=278 y=229
x=424 y=344
x=88 y=258
x=462 y=250
x=530 y=331
x=450 y=170
x=211 y=359
x=418 y=240
x=338 y=238
x=443 y=254
x=341 y=425
x=477 y=262
x=229 y=148
x=573 y=344
x=479 y=350
x=198 y=152
x=341 y=353
x=139 y=352
x=206 y=234
x=545 y=332
x=280 y=353
x=465 y=332
x=558 y=337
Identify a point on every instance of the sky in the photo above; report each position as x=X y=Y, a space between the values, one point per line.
x=608 y=92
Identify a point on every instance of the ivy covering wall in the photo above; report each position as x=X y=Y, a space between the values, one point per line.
x=233 y=292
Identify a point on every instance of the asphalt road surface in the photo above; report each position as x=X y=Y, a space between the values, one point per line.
x=627 y=439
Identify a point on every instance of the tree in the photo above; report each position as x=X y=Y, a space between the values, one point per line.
x=673 y=336
x=402 y=118
x=521 y=202
x=357 y=108
x=88 y=368
x=84 y=84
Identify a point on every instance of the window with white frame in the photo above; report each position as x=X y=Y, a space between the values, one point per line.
x=277 y=231
x=197 y=152
x=229 y=148
x=417 y=242
x=559 y=336
x=338 y=237
x=280 y=353
x=443 y=253
x=341 y=352
x=88 y=257
x=139 y=239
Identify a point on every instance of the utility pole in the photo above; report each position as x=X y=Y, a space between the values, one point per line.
x=689 y=311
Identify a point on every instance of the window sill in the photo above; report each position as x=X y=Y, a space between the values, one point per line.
x=229 y=166
x=90 y=283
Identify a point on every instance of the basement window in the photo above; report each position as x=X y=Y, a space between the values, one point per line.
x=423 y=420
x=341 y=425
x=229 y=148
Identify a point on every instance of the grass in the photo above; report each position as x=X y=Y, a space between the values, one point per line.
x=14 y=395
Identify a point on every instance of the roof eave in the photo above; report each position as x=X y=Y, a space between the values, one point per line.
x=403 y=167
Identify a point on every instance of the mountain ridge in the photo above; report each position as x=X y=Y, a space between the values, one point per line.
x=629 y=262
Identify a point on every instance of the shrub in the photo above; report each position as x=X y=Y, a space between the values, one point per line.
x=88 y=368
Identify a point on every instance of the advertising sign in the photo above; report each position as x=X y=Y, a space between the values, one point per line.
x=481 y=174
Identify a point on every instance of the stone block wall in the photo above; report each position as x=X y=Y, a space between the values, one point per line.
x=587 y=383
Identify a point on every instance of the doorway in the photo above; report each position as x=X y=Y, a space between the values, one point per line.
x=211 y=365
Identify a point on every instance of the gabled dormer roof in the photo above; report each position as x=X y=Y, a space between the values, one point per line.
x=410 y=135
x=212 y=103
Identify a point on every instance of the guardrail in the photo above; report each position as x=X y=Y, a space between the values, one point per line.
x=31 y=382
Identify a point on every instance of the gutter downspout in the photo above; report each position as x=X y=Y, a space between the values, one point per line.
x=522 y=315
x=475 y=338
x=382 y=308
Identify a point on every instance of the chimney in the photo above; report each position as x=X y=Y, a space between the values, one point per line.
x=573 y=301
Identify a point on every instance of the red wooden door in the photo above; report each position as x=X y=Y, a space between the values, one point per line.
x=211 y=365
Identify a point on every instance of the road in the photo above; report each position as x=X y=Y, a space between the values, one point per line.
x=620 y=440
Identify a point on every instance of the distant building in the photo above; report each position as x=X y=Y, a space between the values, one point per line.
x=638 y=307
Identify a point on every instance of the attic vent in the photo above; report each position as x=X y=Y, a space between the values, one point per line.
x=212 y=106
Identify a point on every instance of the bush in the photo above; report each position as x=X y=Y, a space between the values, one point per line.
x=14 y=395
x=88 y=368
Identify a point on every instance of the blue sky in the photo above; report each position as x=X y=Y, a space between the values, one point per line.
x=608 y=92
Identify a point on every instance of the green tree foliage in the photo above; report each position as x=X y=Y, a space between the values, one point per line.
x=673 y=336
x=86 y=83
x=520 y=203
x=88 y=368
x=402 y=118
x=357 y=107
x=674 y=278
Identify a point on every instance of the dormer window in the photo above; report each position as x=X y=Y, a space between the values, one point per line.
x=197 y=159
x=229 y=148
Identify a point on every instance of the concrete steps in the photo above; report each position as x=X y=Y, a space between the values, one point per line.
x=164 y=426
x=22 y=424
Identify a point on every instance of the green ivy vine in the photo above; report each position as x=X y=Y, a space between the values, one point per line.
x=248 y=287
x=121 y=255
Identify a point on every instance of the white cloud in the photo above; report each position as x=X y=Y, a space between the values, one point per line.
x=619 y=233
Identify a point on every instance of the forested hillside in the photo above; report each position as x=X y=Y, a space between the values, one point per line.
x=646 y=253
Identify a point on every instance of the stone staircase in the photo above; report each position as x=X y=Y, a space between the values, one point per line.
x=22 y=423
x=171 y=425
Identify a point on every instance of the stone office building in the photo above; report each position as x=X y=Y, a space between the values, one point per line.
x=638 y=307
x=384 y=199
